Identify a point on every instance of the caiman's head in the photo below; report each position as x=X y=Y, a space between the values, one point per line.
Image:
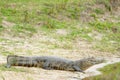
x=87 y=62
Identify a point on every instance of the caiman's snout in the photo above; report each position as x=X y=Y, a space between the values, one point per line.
x=97 y=60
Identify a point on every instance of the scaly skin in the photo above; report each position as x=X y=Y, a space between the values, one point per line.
x=87 y=62
x=49 y=62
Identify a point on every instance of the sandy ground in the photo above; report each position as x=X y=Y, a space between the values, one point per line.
x=81 y=49
x=41 y=45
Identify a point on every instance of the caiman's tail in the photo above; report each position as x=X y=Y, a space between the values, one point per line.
x=14 y=60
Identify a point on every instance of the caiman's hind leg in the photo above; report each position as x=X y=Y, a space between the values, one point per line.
x=78 y=69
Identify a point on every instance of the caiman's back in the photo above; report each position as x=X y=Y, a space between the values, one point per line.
x=50 y=62
x=58 y=63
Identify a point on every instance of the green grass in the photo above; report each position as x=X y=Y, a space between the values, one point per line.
x=33 y=16
x=24 y=29
x=111 y=38
x=99 y=11
x=1 y=28
x=110 y=72
x=47 y=16
x=50 y=23
x=5 y=53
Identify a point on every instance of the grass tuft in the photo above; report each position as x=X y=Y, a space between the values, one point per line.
x=23 y=29
x=1 y=28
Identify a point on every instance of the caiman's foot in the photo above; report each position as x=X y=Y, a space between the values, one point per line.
x=78 y=69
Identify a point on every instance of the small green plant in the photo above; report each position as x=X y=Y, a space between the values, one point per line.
x=102 y=1
x=94 y=15
x=74 y=13
x=106 y=3
x=49 y=9
x=1 y=28
x=50 y=23
x=26 y=16
x=101 y=26
x=24 y=29
x=63 y=4
x=8 y=11
x=99 y=11
x=53 y=9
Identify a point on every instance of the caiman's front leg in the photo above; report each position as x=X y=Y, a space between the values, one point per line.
x=78 y=69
